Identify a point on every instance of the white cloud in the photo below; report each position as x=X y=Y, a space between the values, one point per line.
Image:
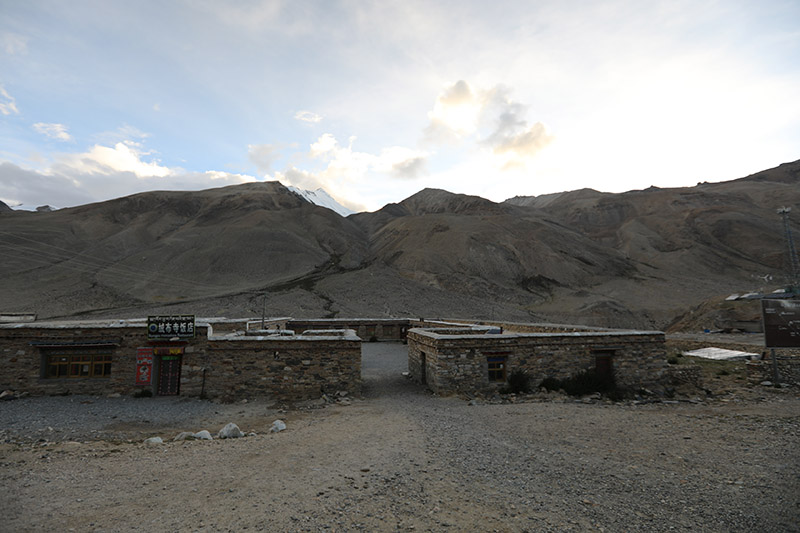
x=101 y=174
x=53 y=131
x=123 y=157
x=13 y=43
x=487 y=118
x=325 y=144
x=263 y=156
x=7 y=103
x=308 y=116
x=126 y=133
x=348 y=171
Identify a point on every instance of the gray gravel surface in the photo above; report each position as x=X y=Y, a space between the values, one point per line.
x=403 y=459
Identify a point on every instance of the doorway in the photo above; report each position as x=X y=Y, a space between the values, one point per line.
x=170 y=361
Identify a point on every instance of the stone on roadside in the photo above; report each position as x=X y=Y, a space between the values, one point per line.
x=230 y=431
x=203 y=435
x=277 y=426
x=184 y=435
x=766 y=384
x=7 y=395
x=153 y=441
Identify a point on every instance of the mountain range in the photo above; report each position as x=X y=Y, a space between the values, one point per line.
x=644 y=259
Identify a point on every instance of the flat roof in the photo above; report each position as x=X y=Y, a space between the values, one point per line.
x=478 y=334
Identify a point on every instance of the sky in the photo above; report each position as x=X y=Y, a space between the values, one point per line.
x=375 y=100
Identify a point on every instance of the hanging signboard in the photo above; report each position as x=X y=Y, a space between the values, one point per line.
x=781 y=323
x=144 y=366
x=168 y=327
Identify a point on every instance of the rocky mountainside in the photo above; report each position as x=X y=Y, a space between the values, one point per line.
x=637 y=259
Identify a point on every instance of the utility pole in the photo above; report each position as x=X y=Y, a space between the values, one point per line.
x=794 y=265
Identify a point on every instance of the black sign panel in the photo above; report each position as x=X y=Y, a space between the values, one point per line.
x=168 y=327
x=781 y=323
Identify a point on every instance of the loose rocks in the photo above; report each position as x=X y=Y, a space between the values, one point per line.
x=230 y=431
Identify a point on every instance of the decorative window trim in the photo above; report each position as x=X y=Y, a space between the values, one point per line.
x=67 y=362
x=496 y=368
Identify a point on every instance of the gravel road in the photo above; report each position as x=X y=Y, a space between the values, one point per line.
x=402 y=459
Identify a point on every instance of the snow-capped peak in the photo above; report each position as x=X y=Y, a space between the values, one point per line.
x=323 y=199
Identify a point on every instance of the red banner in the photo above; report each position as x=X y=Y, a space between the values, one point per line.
x=144 y=366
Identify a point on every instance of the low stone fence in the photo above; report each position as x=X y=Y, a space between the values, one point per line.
x=788 y=370
x=685 y=375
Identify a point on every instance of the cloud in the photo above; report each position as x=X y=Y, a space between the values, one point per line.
x=263 y=156
x=488 y=118
x=511 y=135
x=126 y=133
x=30 y=188
x=347 y=164
x=13 y=43
x=410 y=168
x=455 y=114
x=347 y=171
x=101 y=174
x=123 y=157
x=53 y=131
x=308 y=116
x=7 y=103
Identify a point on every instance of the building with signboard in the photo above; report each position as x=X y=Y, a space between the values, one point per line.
x=240 y=358
x=213 y=358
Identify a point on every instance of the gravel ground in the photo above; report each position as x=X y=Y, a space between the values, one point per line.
x=403 y=459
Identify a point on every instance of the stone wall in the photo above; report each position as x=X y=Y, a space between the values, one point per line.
x=284 y=368
x=458 y=363
x=368 y=329
x=788 y=370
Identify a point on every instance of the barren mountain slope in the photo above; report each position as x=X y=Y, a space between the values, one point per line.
x=471 y=245
x=160 y=247
x=638 y=259
x=695 y=243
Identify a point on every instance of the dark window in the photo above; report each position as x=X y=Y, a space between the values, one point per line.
x=77 y=364
x=497 y=368
x=604 y=363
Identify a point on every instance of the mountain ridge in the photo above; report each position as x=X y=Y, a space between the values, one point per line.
x=634 y=259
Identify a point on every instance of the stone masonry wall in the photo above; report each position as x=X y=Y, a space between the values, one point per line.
x=392 y=329
x=286 y=369
x=459 y=362
x=788 y=370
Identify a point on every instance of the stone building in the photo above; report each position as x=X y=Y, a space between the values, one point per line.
x=289 y=360
x=223 y=358
x=450 y=358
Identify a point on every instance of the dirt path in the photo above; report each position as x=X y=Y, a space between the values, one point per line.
x=403 y=459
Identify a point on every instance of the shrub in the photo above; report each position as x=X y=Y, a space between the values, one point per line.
x=519 y=382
